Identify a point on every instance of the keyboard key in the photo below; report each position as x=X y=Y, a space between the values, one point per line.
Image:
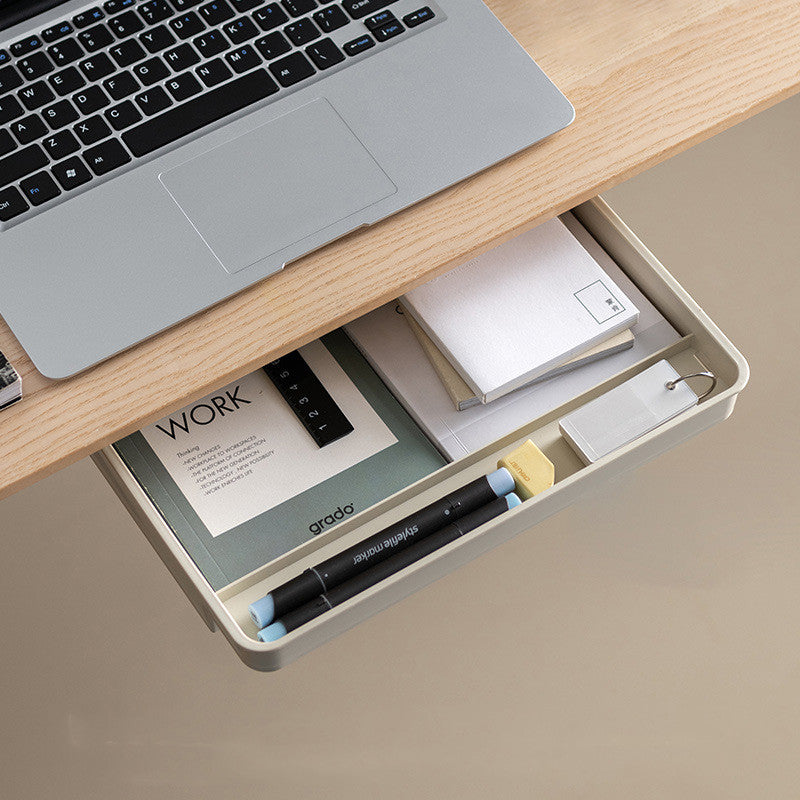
x=11 y=204
x=121 y=85
x=245 y=5
x=88 y=17
x=324 y=54
x=199 y=112
x=60 y=144
x=299 y=7
x=213 y=72
x=127 y=52
x=292 y=69
x=92 y=129
x=66 y=81
x=330 y=18
x=96 y=38
x=28 y=129
x=388 y=31
x=181 y=87
x=216 y=13
x=7 y=143
x=301 y=32
x=115 y=6
x=55 y=32
x=153 y=100
x=155 y=11
x=273 y=45
x=36 y=95
x=90 y=100
x=151 y=71
x=210 y=44
x=184 y=56
x=183 y=5
x=60 y=114
x=243 y=59
x=156 y=39
x=65 y=52
x=270 y=17
x=240 y=30
x=21 y=163
x=126 y=24
x=187 y=25
x=359 y=45
x=9 y=79
x=35 y=66
x=4 y=57
x=25 y=46
x=418 y=17
x=39 y=188
x=381 y=18
x=106 y=156
x=361 y=8
x=122 y=116
x=98 y=66
x=10 y=108
x=71 y=173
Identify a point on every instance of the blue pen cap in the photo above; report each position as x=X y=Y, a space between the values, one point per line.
x=513 y=501
x=501 y=481
x=272 y=632
x=262 y=612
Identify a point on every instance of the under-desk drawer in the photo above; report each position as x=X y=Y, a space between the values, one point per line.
x=701 y=346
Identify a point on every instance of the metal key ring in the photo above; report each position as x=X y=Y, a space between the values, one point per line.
x=710 y=375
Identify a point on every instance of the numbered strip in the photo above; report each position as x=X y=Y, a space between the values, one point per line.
x=308 y=398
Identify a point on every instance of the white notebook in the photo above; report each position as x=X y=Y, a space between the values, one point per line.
x=521 y=309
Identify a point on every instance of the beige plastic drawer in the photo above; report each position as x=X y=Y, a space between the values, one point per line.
x=702 y=346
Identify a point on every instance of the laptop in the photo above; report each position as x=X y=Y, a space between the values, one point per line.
x=157 y=157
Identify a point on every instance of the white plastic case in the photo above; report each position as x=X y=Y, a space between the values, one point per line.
x=702 y=347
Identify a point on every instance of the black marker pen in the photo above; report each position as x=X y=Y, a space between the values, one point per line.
x=380 y=546
x=375 y=574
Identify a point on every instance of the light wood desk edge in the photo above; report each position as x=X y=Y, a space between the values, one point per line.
x=646 y=82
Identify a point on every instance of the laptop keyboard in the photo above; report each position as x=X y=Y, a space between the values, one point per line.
x=92 y=94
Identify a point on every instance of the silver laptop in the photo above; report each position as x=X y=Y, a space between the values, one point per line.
x=159 y=156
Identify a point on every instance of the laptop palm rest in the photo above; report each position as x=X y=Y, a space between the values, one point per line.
x=277 y=185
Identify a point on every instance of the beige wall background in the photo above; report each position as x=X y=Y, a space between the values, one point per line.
x=642 y=644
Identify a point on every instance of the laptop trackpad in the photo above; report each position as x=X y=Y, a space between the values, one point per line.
x=276 y=185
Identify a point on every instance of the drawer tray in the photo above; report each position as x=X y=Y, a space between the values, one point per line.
x=702 y=346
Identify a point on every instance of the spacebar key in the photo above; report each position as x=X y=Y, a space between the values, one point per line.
x=203 y=110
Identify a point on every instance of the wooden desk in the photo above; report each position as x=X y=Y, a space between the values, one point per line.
x=647 y=79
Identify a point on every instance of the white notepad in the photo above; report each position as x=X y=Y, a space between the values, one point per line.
x=521 y=309
x=627 y=412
